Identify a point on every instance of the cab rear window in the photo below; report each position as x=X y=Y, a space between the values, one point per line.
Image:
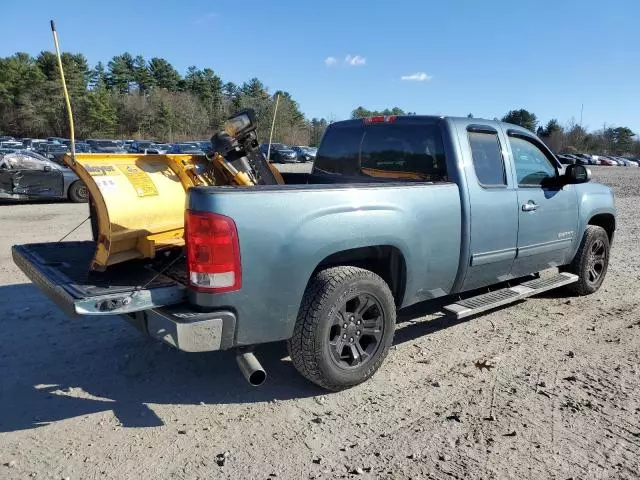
x=383 y=151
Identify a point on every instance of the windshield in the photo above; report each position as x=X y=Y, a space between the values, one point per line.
x=58 y=148
x=279 y=146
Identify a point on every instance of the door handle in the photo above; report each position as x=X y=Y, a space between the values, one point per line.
x=530 y=206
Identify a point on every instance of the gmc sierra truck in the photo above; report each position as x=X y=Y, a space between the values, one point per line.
x=396 y=211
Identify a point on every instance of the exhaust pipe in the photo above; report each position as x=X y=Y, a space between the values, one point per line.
x=251 y=368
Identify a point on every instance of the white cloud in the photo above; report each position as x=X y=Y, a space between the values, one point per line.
x=329 y=61
x=417 y=77
x=355 y=60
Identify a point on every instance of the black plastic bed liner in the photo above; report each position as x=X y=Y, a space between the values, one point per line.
x=61 y=270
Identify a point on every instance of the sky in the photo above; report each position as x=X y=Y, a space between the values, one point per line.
x=454 y=57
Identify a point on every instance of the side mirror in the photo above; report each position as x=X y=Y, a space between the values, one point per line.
x=577 y=174
x=47 y=168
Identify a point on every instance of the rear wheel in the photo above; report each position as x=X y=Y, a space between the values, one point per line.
x=591 y=262
x=344 y=328
x=78 y=192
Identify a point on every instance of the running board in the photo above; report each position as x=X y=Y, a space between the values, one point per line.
x=505 y=296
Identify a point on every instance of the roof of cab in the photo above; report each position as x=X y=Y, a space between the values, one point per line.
x=462 y=122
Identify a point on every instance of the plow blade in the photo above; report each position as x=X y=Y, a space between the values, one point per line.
x=138 y=201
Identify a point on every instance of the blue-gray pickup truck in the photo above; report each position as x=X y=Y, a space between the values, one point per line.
x=396 y=211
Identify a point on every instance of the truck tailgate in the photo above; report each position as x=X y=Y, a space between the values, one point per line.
x=61 y=270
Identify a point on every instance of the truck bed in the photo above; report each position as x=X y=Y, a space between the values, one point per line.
x=62 y=271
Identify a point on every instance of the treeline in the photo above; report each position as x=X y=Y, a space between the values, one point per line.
x=131 y=97
x=574 y=138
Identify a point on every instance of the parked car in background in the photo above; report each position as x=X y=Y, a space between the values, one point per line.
x=584 y=159
x=32 y=143
x=105 y=146
x=580 y=160
x=83 y=147
x=27 y=175
x=279 y=153
x=14 y=144
x=6 y=138
x=53 y=151
x=305 y=154
x=575 y=159
x=566 y=159
x=610 y=162
x=140 y=146
x=625 y=161
x=159 y=148
x=191 y=148
x=205 y=145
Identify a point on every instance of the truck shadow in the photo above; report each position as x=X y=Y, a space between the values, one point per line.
x=53 y=368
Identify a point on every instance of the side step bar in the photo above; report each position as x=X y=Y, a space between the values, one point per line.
x=505 y=296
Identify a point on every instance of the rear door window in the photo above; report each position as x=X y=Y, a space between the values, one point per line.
x=410 y=151
x=487 y=159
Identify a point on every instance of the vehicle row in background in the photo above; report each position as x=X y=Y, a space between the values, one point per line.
x=54 y=148
x=281 y=153
x=587 y=159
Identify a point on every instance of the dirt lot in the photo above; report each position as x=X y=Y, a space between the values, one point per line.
x=94 y=399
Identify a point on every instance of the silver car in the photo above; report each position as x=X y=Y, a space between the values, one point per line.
x=27 y=175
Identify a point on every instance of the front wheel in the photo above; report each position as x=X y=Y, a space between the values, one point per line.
x=344 y=329
x=591 y=262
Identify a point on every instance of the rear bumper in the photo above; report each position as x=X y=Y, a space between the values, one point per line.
x=187 y=330
x=159 y=310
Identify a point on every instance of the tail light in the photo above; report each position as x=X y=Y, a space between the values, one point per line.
x=213 y=252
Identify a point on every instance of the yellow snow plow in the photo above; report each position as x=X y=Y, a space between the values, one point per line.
x=138 y=201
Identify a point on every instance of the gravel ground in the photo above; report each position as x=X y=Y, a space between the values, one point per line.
x=94 y=399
